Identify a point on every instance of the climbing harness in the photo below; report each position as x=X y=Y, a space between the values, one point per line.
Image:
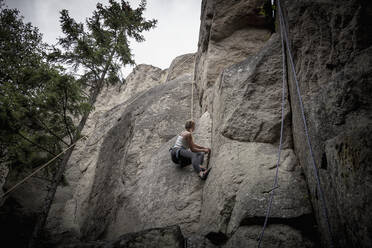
x=284 y=35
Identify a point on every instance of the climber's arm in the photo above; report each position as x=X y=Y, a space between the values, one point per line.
x=194 y=147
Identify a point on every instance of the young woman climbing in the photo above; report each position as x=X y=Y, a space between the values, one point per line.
x=185 y=151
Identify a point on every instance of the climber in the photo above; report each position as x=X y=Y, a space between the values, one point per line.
x=181 y=154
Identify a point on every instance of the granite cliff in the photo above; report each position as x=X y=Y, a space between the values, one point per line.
x=123 y=190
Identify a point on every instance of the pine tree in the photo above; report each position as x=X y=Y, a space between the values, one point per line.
x=37 y=99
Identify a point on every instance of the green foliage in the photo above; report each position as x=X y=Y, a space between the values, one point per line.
x=101 y=46
x=37 y=100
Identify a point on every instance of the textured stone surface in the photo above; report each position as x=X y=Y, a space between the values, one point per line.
x=181 y=65
x=236 y=191
x=161 y=193
x=168 y=237
x=248 y=98
x=276 y=236
x=132 y=185
x=121 y=179
x=229 y=32
x=71 y=201
x=246 y=130
x=332 y=48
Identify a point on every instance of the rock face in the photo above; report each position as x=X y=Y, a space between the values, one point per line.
x=183 y=64
x=169 y=237
x=332 y=47
x=229 y=32
x=123 y=190
x=235 y=197
x=121 y=179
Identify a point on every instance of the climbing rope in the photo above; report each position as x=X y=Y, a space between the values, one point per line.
x=192 y=97
x=316 y=173
x=83 y=137
x=284 y=81
x=48 y=163
x=58 y=155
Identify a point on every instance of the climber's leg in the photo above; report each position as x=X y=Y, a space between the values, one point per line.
x=196 y=158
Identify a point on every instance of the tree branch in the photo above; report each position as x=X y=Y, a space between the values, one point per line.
x=64 y=115
x=50 y=131
x=35 y=144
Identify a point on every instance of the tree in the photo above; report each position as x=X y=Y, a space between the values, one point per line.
x=37 y=100
x=99 y=49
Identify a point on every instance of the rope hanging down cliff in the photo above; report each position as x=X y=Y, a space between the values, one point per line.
x=284 y=35
x=284 y=81
x=83 y=137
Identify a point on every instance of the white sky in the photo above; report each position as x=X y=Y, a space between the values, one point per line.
x=176 y=33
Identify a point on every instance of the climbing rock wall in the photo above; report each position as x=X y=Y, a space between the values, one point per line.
x=181 y=64
x=229 y=32
x=332 y=48
x=137 y=186
x=131 y=184
x=169 y=237
x=123 y=189
x=246 y=128
x=121 y=178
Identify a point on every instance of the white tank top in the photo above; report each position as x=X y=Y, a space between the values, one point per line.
x=181 y=143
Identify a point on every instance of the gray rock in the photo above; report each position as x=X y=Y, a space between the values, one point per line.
x=236 y=191
x=246 y=130
x=276 y=236
x=71 y=202
x=248 y=98
x=181 y=65
x=332 y=49
x=168 y=237
x=135 y=186
x=229 y=32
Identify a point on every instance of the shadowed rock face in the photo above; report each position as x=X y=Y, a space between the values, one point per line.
x=169 y=237
x=332 y=48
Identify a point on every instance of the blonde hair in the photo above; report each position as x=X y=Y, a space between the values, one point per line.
x=189 y=124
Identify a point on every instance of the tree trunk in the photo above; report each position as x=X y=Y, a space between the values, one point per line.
x=41 y=221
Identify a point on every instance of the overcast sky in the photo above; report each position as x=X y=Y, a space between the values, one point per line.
x=176 y=33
